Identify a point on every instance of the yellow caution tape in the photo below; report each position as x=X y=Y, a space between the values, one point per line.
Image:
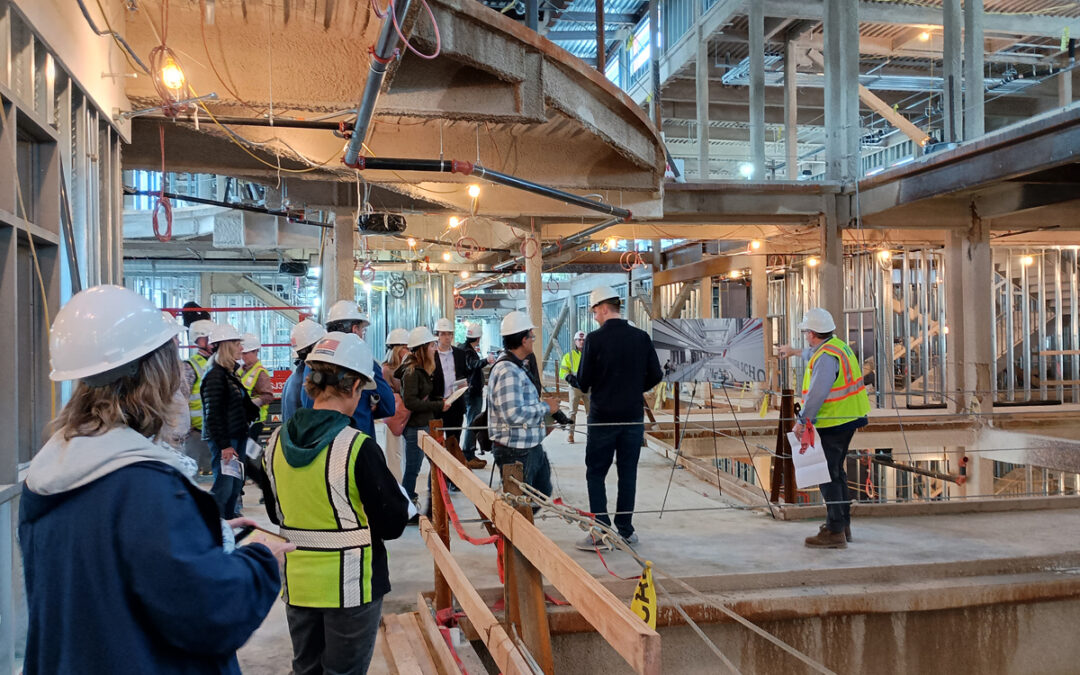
x=764 y=406
x=644 y=602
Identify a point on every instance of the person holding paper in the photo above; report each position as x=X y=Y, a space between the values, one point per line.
x=125 y=558
x=227 y=413
x=451 y=373
x=423 y=399
x=336 y=500
x=834 y=406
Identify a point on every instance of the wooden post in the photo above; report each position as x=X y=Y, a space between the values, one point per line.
x=441 y=520
x=524 y=587
x=783 y=472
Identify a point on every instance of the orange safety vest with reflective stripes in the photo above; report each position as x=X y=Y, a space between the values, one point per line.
x=847 y=400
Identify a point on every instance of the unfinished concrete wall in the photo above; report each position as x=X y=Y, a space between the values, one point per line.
x=1035 y=638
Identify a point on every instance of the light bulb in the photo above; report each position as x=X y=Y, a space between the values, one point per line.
x=735 y=274
x=755 y=245
x=612 y=242
x=924 y=36
x=946 y=329
x=454 y=221
x=474 y=191
x=884 y=255
x=812 y=262
x=746 y=170
x=446 y=256
x=464 y=274
x=412 y=242
x=171 y=75
x=1027 y=260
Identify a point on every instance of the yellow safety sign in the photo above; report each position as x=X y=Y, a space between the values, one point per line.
x=644 y=601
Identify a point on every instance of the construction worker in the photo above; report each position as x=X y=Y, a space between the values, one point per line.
x=334 y=498
x=569 y=365
x=618 y=365
x=475 y=364
x=835 y=406
x=345 y=317
x=516 y=411
x=302 y=338
x=256 y=380
x=153 y=587
x=194 y=370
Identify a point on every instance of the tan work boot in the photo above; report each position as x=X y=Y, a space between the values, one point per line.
x=476 y=463
x=826 y=539
x=573 y=421
x=847 y=532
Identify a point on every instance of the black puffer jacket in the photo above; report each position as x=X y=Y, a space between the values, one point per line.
x=417 y=392
x=227 y=408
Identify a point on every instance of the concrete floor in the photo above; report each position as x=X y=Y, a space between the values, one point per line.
x=687 y=542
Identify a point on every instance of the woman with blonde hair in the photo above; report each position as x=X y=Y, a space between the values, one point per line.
x=419 y=395
x=151 y=589
x=397 y=349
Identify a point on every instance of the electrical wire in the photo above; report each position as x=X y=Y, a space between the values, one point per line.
x=129 y=53
x=162 y=202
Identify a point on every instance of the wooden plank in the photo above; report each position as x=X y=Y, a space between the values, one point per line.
x=441 y=519
x=502 y=648
x=384 y=648
x=526 y=603
x=440 y=651
x=1060 y=352
x=627 y=634
x=401 y=652
x=411 y=627
x=710 y=267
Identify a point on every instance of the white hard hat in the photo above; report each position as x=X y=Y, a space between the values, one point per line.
x=103 y=328
x=420 y=336
x=200 y=329
x=580 y=335
x=398 y=336
x=346 y=310
x=444 y=325
x=600 y=294
x=818 y=320
x=346 y=350
x=515 y=322
x=474 y=331
x=305 y=334
x=250 y=343
x=223 y=332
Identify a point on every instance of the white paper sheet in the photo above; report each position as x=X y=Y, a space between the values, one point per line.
x=233 y=468
x=811 y=469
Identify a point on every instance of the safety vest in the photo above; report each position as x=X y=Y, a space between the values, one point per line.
x=570 y=362
x=320 y=511
x=847 y=400
x=248 y=378
x=198 y=362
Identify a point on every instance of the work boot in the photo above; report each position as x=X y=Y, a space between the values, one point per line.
x=847 y=532
x=476 y=463
x=826 y=539
x=591 y=543
x=573 y=421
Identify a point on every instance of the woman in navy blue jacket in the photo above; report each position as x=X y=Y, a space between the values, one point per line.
x=125 y=559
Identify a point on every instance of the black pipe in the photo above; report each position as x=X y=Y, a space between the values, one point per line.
x=285 y=123
x=227 y=205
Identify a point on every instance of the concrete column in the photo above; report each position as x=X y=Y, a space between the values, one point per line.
x=705 y=294
x=654 y=61
x=841 y=90
x=831 y=269
x=977 y=281
x=757 y=89
x=1065 y=88
x=953 y=90
x=791 y=112
x=448 y=295
x=656 y=305
x=338 y=264
x=702 y=92
x=974 y=102
x=534 y=292
x=954 y=314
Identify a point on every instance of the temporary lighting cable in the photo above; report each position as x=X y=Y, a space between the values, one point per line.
x=129 y=53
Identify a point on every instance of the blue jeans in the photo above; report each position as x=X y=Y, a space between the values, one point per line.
x=622 y=444
x=835 y=442
x=333 y=641
x=535 y=465
x=226 y=489
x=474 y=405
x=414 y=459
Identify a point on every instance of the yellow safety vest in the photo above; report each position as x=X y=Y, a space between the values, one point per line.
x=198 y=362
x=847 y=400
x=248 y=378
x=570 y=362
x=320 y=511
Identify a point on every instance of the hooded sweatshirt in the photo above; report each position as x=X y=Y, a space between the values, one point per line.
x=124 y=565
x=305 y=437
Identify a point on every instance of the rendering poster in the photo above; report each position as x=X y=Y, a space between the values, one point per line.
x=723 y=351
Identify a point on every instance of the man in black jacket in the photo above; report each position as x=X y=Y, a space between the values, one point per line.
x=450 y=366
x=618 y=365
x=474 y=398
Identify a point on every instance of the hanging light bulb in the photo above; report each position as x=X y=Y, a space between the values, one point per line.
x=474 y=191
x=1027 y=260
x=755 y=244
x=924 y=36
x=612 y=242
x=446 y=256
x=411 y=242
x=884 y=255
x=812 y=262
x=735 y=274
x=454 y=221
x=464 y=274
x=171 y=75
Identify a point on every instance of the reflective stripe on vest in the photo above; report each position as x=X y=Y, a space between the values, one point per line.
x=847 y=399
x=198 y=363
x=249 y=378
x=319 y=504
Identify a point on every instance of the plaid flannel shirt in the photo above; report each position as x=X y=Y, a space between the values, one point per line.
x=515 y=412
